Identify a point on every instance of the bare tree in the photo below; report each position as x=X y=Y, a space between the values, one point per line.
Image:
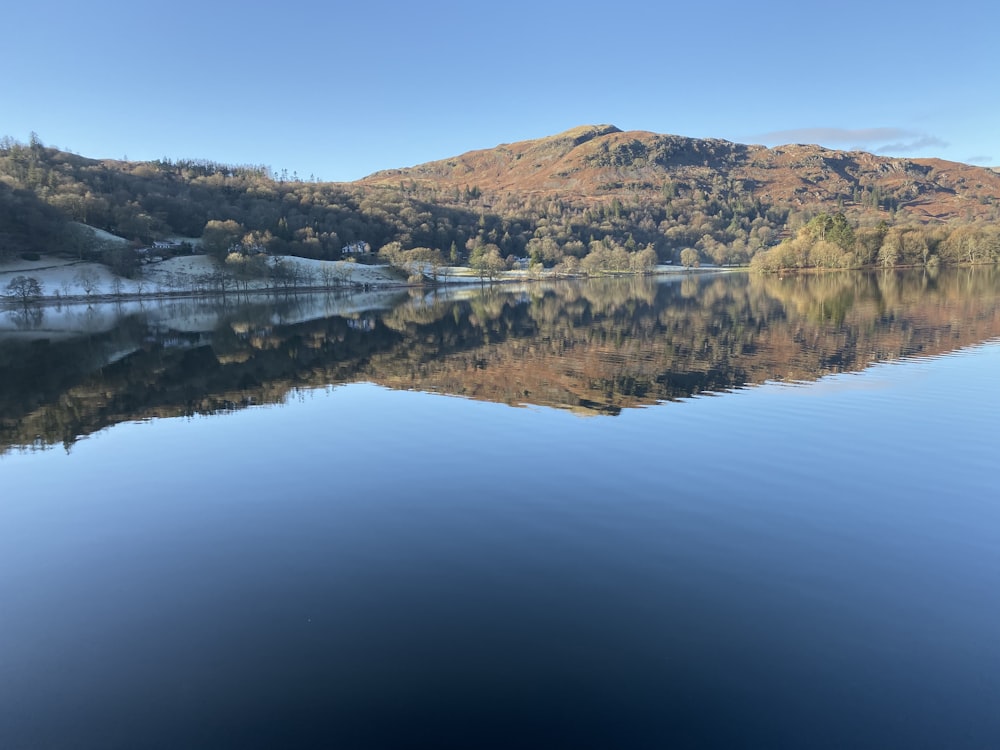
x=24 y=289
x=328 y=274
x=88 y=279
x=309 y=276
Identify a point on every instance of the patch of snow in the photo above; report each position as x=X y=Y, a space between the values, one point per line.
x=63 y=278
x=192 y=241
x=66 y=279
x=103 y=236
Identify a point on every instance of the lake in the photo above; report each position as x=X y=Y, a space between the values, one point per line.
x=711 y=512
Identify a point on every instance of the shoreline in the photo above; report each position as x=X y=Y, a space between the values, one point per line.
x=370 y=279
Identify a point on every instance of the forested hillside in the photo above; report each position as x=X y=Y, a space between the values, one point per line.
x=593 y=198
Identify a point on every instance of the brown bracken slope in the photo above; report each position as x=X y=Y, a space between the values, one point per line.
x=597 y=162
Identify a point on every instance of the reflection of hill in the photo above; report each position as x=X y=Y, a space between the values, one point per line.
x=596 y=352
x=597 y=347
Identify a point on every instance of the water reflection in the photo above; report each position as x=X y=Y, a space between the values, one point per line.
x=26 y=317
x=596 y=347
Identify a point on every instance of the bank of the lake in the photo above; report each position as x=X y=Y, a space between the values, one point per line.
x=67 y=280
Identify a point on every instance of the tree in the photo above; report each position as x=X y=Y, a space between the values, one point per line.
x=256 y=243
x=868 y=240
x=597 y=260
x=568 y=266
x=424 y=261
x=831 y=228
x=24 y=289
x=390 y=252
x=122 y=260
x=689 y=258
x=219 y=236
x=644 y=260
x=287 y=273
x=889 y=253
x=331 y=274
x=88 y=279
x=486 y=261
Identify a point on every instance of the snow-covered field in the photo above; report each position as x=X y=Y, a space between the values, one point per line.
x=84 y=298
x=101 y=236
x=63 y=278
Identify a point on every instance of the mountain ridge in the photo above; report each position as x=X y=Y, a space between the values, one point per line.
x=594 y=161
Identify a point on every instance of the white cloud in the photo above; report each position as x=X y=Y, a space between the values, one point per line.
x=879 y=140
x=914 y=144
x=838 y=136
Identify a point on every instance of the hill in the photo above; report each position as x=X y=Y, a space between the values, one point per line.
x=593 y=198
x=597 y=161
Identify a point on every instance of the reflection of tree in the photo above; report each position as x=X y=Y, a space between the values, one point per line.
x=598 y=347
x=27 y=318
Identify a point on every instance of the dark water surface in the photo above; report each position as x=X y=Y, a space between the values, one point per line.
x=293 y=537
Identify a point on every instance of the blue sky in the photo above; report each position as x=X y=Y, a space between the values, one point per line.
x=340 y=90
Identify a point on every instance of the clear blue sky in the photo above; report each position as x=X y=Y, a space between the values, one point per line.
x=339 y=90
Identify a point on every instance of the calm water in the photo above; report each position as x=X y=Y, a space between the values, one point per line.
x=728 y=512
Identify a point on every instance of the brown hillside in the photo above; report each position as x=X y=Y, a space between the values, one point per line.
x=596 y=162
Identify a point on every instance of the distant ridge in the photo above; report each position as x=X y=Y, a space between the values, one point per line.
x=597 y=162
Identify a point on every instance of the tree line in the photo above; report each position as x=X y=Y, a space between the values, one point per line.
x=830 y=241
